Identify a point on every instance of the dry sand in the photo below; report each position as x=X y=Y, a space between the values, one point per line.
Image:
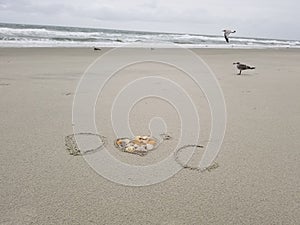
x=257 y=181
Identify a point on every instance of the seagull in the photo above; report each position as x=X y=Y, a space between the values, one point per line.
x=243 y=67
x=97 y=49
x=226 y=34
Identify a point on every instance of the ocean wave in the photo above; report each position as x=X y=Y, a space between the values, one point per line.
x=31 y=35
x=42 y=32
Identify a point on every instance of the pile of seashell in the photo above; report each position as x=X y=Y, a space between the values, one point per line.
x=139 y=145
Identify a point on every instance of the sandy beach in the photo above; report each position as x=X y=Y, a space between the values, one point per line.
x=257 y=181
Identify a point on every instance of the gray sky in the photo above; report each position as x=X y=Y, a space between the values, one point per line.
x=254 y=18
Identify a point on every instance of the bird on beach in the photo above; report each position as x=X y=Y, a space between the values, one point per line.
x=227 y=33
x=242 y=67
x=97 y=49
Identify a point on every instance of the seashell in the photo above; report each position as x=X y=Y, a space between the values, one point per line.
x=122 y=142
x=149 y=147
x=166 y=136
x=129 y=144
x=137 y=142
x=136 y=146
x=130 y=149
x=137 y=138
x=141 y=148
x=126 y=140
x=119 y=142
x=151 y=142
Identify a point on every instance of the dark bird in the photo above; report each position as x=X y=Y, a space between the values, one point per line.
x=242 y=67
x=227 y=33
x=97 y=49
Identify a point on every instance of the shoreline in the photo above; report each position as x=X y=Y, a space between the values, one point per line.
x=153 y=46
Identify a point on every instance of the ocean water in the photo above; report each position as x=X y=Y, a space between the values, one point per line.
x=21 y=35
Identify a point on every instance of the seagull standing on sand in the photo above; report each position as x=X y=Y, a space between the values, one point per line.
x=243 y=67
x=227 y=33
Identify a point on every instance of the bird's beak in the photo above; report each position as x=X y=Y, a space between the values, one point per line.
x=233 y=63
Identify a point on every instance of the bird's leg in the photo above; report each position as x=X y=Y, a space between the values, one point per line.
x=240 y=72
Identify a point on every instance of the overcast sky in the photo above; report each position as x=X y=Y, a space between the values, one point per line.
x=254 y=18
